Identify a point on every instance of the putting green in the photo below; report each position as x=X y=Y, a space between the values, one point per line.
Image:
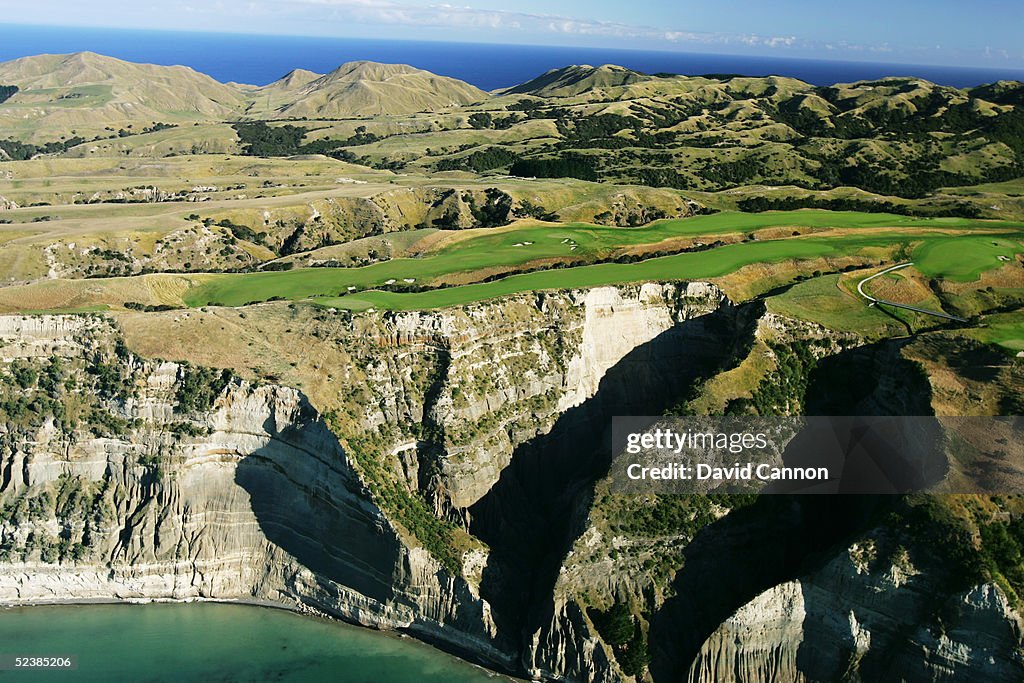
x=964 y=258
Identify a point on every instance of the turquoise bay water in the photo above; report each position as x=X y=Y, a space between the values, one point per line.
x=218 y=643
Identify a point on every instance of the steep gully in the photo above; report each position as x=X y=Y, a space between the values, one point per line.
x=533 y=514
x=780 y=538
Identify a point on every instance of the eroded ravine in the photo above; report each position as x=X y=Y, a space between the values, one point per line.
x=538 y=507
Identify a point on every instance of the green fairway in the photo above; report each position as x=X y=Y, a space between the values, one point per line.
x=536 y=242
x=964 y=258
x=526 y=243
x=687 y=266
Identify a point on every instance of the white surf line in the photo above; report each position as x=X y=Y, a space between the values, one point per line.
x=874 y=301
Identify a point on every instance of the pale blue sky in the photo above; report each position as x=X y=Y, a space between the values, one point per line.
x=954 y=32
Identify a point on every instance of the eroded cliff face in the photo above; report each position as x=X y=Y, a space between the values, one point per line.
x=443 y=473
x=250 y=497
x=130 y=487
x=869 y=614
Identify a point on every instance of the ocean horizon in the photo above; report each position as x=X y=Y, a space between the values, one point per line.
x=261 y=59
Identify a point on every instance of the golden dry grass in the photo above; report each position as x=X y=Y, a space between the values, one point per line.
x=49 y=295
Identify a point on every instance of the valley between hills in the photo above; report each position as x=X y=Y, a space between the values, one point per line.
x=349 y=342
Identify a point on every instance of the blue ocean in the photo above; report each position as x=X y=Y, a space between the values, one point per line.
x=258 y=59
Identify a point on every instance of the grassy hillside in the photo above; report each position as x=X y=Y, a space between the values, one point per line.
x=577 y=80
x=686 y=266
x=895 y=137
x=86 y=94
x=361 y=89
x=898 y=137
x=57 y=97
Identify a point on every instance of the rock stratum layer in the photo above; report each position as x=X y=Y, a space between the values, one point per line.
x=451 y=489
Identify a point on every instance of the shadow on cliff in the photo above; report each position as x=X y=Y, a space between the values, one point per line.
x=873 y=379
x=778 y=538
x=531 y=517
x=307 y=502
x=730 y=562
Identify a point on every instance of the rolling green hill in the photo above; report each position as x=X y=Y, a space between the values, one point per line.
x=902 y=136
x=86 y=92
x=361 y=89
x=575 y=80
x=92 y=94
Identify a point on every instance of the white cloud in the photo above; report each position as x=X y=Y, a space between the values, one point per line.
x=459 y=20
x=453 y=16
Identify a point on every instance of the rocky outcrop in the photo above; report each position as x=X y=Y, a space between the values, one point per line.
x=177 y=250
x=866 y=615
x=292 y=229
x=734 y=654
x=569 y=648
